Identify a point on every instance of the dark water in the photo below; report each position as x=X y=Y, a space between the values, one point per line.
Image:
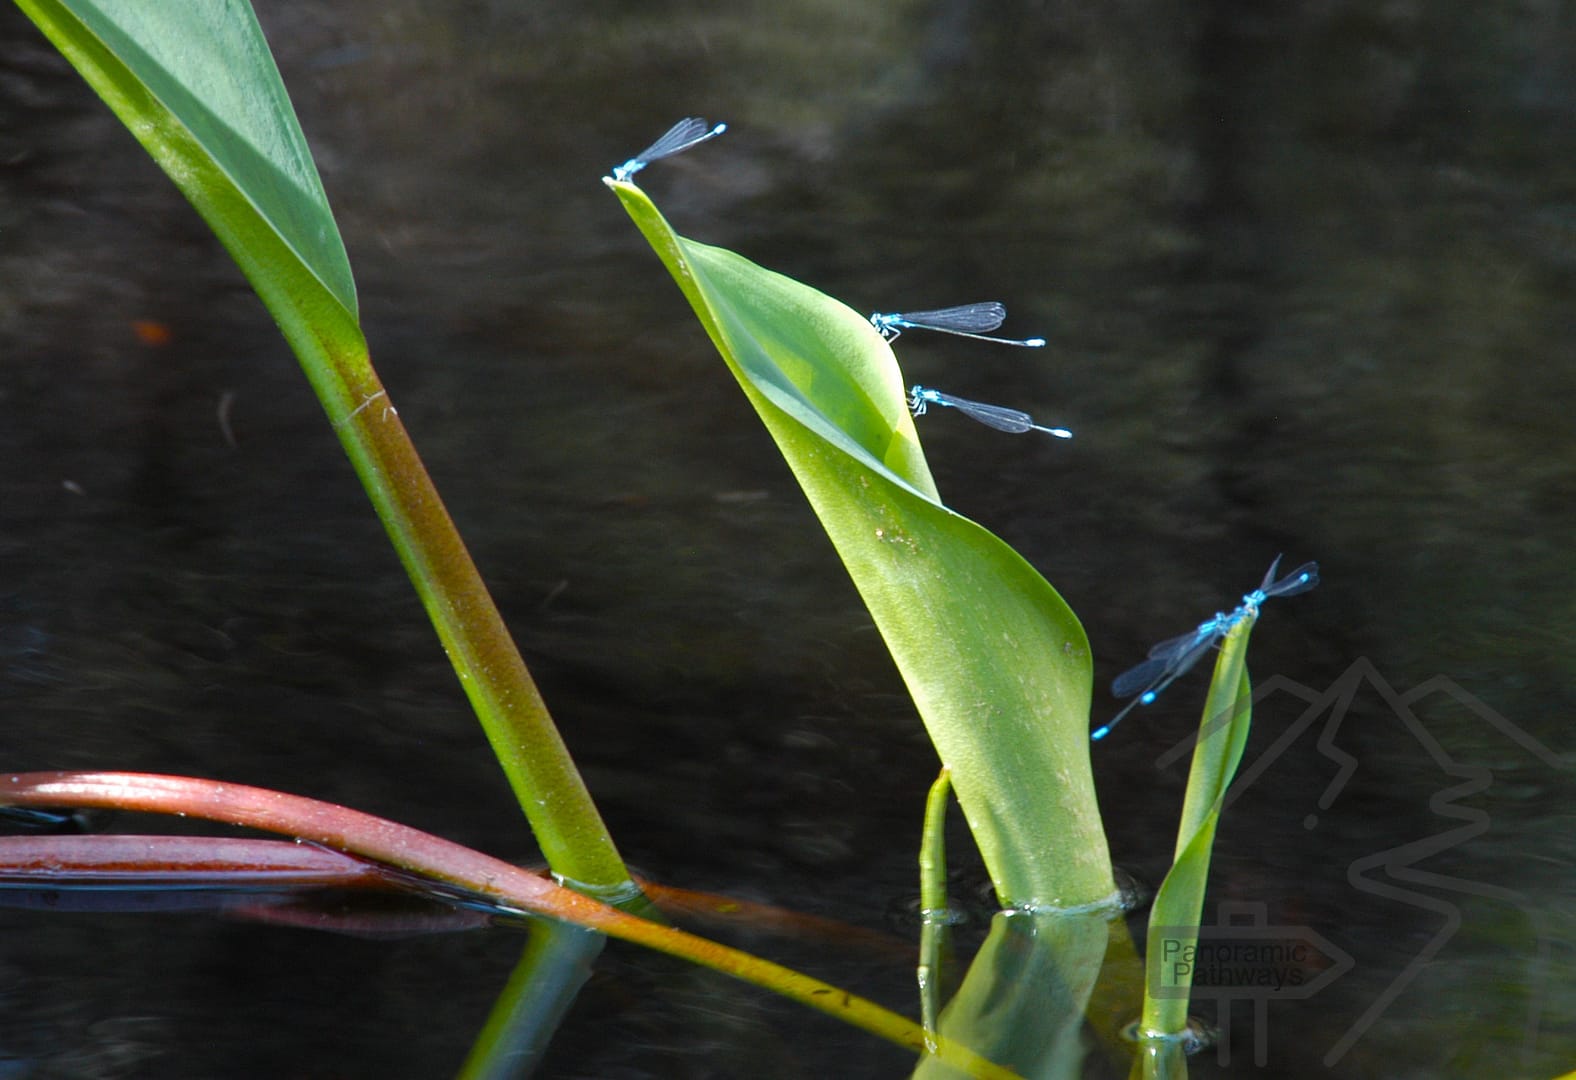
x=1307 y=275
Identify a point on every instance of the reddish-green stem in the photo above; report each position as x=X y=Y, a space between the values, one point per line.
x=441 y=860
x=157 y=86
x=193 y=861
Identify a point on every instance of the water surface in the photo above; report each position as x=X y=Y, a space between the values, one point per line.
x=1306 y=276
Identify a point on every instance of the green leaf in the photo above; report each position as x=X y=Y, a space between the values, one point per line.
x=1023 y=1001
x=196 y=75
x=1179 y=904
x=194 y=81
x=998 y=665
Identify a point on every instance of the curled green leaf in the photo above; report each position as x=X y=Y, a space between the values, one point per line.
x=998 y=665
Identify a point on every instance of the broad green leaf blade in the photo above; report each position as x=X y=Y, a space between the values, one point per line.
x=197 y=86
x=997 y=664
x=1179 y=904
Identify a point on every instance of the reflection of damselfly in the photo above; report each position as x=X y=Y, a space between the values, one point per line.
x=680 y=137
x=965 y=320
x=1174 y=657
x=920 y=398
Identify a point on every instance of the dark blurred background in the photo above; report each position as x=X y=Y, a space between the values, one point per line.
x=1306 y=271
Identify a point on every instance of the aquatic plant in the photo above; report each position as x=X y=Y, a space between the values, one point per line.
x=998 y=665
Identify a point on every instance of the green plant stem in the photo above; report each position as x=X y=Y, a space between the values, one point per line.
x=573 y=838
x=933 y=845
x=164 y=68
x=556 y=963
x=935 y=919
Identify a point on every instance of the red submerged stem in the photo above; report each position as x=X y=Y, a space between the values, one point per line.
x=442 y=860
x=232 y=862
